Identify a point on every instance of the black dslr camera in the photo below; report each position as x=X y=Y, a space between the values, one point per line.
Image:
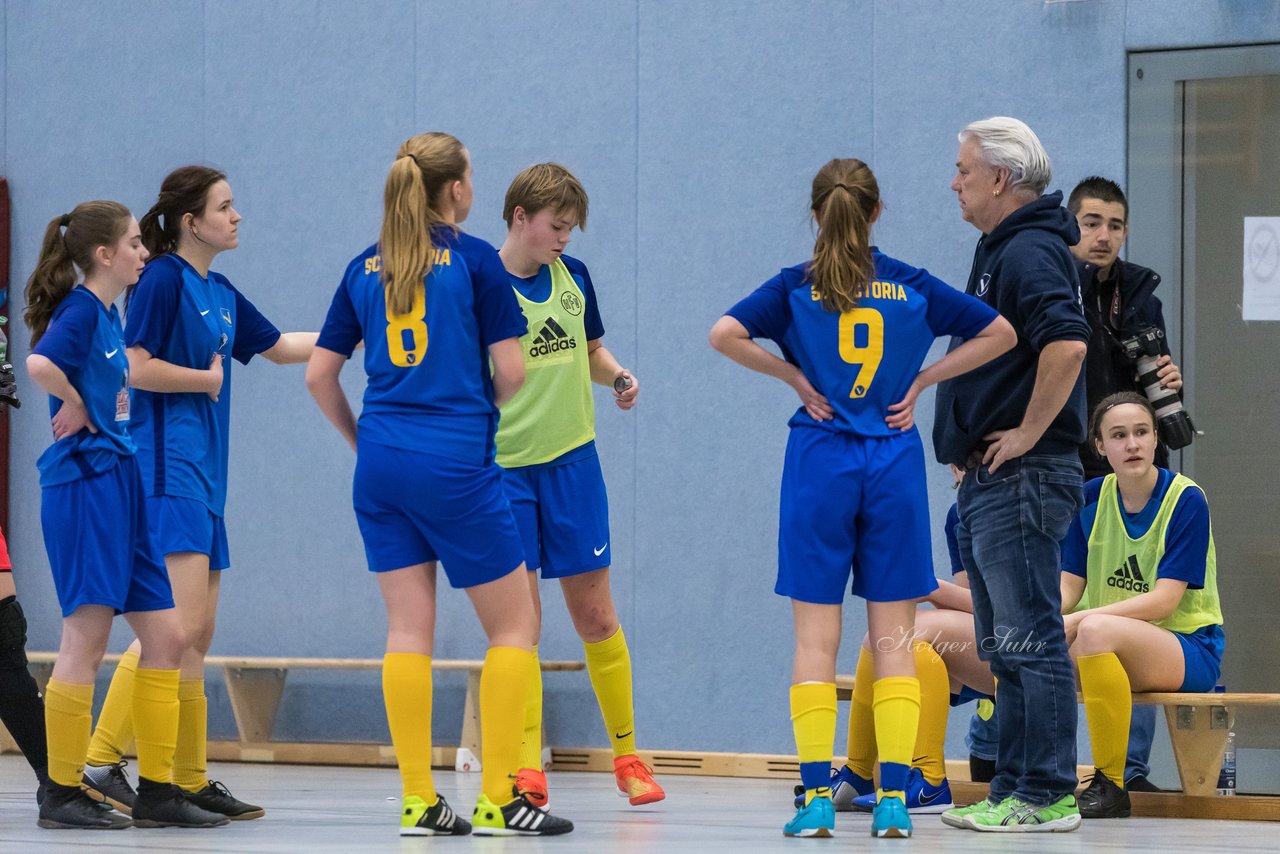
x=8 y=386
x=1174 y=423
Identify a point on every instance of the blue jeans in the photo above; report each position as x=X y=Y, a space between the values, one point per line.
x=983 y=740
x=1011 y=524
x=1142 y=729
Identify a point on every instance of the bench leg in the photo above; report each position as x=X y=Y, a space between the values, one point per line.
x=255 y=698
x=1199 y=737
x=468 y=757
x=41 y=671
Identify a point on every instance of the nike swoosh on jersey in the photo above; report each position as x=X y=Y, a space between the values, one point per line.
x=203 y=313
x=600 y=550
x=112 y=353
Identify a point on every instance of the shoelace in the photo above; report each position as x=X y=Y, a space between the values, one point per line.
x=219 y=788
x=632 y=764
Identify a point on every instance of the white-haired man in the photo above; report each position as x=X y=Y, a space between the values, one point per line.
x=1014 y=425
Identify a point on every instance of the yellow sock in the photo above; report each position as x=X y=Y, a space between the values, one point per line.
x=531 y=746
x=190 y=759
x=68 y=715
x=504 y=687
x=406 y=691
x=609 y=666
x=862 y=726
x=897 y=712
x=114 y=730
x=813 y=717
x=1108 y=707
x=155 y=708
x=935 y=703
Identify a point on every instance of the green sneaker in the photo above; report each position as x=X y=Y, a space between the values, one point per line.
x=1015 y=816
x=959 y=816
x=418 y=819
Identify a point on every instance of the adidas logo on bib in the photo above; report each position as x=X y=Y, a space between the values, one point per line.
x=552 y=340
x=1129 y=577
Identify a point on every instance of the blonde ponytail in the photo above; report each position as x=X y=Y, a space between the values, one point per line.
x=423 y=167
x=843 y=199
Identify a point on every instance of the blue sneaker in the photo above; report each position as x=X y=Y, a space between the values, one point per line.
x=923 y=798
x=818 y=820
x=845 y=786
x=890 y=819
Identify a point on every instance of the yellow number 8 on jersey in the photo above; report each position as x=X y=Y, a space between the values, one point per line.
x=407 y=333
x=867 y=356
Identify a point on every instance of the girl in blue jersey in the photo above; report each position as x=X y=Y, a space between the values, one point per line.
x=1139 y=590
x=434 y=307
x=854 y=327
x=547 y=449
x=183 y=321
x=93 y=512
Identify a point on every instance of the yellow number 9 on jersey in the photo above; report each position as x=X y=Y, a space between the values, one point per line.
x=407 y=333
x=866 y=356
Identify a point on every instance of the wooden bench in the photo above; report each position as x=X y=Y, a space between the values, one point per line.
x=255 y=685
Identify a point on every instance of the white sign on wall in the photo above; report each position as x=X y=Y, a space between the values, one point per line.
x=1261 y=268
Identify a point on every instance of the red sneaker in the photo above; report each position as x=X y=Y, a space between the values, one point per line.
x=533 y=785
x=635 y=781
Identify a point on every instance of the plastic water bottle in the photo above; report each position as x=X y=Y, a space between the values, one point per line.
x=1227 y=774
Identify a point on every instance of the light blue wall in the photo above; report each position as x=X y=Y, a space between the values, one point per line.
x=696 y=127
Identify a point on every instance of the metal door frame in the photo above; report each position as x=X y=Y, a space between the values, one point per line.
x=1159 y=231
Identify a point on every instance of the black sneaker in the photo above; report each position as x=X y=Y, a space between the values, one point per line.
x=165 y=805
x=215 y=798
x=518 y=818
x=70 y=808
x=1141 y=784
x=1103 y=798
x=981 y=770
x=109 y=784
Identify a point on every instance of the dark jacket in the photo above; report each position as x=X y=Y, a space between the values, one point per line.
x=1107 y=369
x=1024 y=269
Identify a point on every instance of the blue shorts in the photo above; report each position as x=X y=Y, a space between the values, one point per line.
x=562 y=512
x=853 y=504
x=187 y=525
x=415 y=508
x=100 y=549
x=968 y=695
x=1202 y=655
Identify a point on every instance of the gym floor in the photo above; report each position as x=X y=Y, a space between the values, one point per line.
x=321 y=809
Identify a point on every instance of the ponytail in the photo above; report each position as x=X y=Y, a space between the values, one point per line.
x=90 y=225
x=424 y=165
x=184 y=191
x=843 y=199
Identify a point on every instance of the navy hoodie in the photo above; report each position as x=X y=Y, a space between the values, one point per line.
x=1024 y=270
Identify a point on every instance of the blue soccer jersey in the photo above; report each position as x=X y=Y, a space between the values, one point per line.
x=1186 y=541
x=429 y=388
x=85 y=341
x=863 y=360
x=179 y=316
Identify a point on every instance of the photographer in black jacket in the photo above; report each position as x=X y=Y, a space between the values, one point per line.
x=1119 y=299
